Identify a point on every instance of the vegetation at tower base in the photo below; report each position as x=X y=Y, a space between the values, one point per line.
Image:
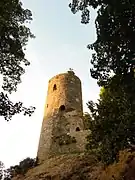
x=113 y=119
x=87 y=120
x=21 y=169
x=74 y=167
x=112 y=125
x=14 y=35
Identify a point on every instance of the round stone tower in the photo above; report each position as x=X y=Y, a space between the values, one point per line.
x=62 y=123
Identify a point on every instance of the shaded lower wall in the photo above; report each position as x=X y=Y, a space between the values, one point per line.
x=59 y=136
x=81 y=139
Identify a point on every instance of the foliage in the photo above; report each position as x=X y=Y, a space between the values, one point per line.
x=66 y=139
x=86 y=120
x=8 y=108
x=79 y=167
x=113 y=63
x=4 y=174
x=14 y=35
x=115 y=28
x=112 y=126
x=23 y=166
x=102 y=91
x=123 y=170
x=1 y=170
x=71 y=71
x=21 y=169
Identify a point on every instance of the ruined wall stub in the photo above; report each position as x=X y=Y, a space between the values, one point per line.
x=62 y=118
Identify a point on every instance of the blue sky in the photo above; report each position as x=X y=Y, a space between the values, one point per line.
x=60 y=44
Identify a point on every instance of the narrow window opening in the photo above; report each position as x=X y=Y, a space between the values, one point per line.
x=62 y=108
x=77 y=129
x=47 y=105
x=54 y=87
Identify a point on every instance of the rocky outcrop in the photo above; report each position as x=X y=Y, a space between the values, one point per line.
x=83 y=167
x=64 y=167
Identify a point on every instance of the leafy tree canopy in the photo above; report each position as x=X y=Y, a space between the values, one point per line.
x=115 y=28
x=102 y=91
x=113 y=63
x=112 y=125
x=14 y=35
x=86 y=120
x=20 y=169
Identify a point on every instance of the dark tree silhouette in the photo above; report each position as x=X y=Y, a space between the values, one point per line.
x=115 y=28
x=113 y=119
x=14 y=35
x=113 y=64
x=20 y=169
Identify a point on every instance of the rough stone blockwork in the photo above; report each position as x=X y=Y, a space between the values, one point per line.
x=62 y=129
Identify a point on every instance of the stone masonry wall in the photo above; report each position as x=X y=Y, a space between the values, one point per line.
x=60 y=136
x=62 y=128
x=63 y=89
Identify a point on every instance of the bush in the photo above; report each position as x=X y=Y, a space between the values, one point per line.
x=23 y=166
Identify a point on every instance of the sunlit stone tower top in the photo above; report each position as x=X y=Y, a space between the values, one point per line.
x=64 y=93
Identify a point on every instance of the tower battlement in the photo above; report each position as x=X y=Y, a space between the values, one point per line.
x=62 y=128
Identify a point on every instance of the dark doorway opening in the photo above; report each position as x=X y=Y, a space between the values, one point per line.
x=62 y=108
x=77 y=129
x=54 y=87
